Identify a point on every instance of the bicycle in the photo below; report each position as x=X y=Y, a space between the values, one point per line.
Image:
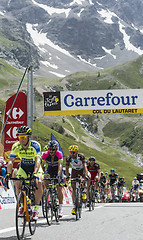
x=26 y=199
x=78 y=196
x=113 y=192
x=120 y=194
x=92 y=195
x=102 y=192
x=51 y=201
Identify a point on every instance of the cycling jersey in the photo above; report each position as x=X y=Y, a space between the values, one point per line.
x=52 y=168
x=113 y=178
x=135 y=184
x=103 y=179
x=121 y=182
x=27 y=157
x=93 y=170
x=77 y=163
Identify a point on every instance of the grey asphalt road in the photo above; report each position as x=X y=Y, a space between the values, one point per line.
x=112 y=221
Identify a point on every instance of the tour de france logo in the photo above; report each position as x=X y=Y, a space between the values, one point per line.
x=52 y=101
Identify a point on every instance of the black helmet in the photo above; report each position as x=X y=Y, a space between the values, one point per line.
x=24 y=130
x=53 y=144
x=92 y=159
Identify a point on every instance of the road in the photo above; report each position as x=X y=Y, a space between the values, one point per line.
x=110 y=221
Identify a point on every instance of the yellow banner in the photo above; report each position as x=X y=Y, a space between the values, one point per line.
x=95 y=111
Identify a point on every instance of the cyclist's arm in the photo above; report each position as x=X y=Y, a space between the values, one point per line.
x=37 y=164
x=10 y=165
x=85 y=169
x=60 y=166
x=117 y=179
x=67 y=166
x=99 y=174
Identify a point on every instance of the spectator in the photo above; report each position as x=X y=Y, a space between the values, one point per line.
x=3 y=172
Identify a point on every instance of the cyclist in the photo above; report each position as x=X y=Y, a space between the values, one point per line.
x=54 y=159
x=29 y=152
x=94 y=169
x=106 y=185
x=113 y=180
x=121 y=184
x=3 y=172
x=79 y=167
x=135 y=186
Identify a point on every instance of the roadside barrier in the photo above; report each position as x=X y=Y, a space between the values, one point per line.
x=7 y=198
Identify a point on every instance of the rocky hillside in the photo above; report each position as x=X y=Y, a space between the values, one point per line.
x=66 y=36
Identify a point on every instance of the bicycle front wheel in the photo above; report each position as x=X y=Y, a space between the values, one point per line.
x=32 y=223
x=20 y=216
x=90 y=198
x=49 y=207
x=56 y=208
x=77 y=204
x=80 y=203
x=43 y=203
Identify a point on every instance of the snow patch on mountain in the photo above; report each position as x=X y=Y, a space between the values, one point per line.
x=107 y=15
x=41 y=39
x=126 y=38
x=51 y=10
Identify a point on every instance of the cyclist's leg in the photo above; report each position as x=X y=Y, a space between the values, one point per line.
x=39 y=191
x=18 y=184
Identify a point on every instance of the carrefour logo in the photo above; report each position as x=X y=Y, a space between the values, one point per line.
x=109 y=99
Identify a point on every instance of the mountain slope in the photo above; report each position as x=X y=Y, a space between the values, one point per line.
x=66 y=36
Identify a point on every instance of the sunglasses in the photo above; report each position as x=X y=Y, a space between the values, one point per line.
x=73 y=152
x=22 y=137
x=51 y=149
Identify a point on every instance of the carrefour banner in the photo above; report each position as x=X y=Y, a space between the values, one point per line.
x=121 y=101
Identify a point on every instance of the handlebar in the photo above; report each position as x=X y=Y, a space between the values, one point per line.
x=22 y=179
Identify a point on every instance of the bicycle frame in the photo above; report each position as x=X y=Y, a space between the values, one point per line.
x=51 y=205
x=26 y=216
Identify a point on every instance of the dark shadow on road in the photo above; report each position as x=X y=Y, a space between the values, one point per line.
x=14 y=238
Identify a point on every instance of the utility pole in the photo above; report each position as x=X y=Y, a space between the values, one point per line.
x=30 y=98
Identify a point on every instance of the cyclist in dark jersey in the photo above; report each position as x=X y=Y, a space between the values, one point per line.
x=94 y=169
x=113 y=179
x=54 y=159
x=121 y=184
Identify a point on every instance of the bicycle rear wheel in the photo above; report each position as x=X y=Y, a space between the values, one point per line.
x=20 y=216
x=49 y=207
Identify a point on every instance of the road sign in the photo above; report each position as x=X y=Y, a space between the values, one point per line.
x=17 y=118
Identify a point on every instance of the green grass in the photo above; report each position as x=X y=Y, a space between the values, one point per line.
x=129 y=75
x=126 y=133
x=107 y=161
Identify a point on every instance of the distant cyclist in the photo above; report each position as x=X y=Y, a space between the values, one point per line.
x=29 y=152
x=79 y=167
x=135 y=185
x=120 y=185
x=94 y=169
x=54 y=160
x=113 y=179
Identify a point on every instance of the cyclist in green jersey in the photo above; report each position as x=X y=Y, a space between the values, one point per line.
x=29 y=152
